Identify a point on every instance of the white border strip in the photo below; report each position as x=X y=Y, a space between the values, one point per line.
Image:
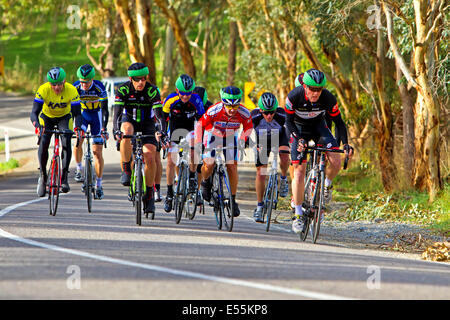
x=182 y=273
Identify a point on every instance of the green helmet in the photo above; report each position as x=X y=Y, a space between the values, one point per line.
x=314 y=78
x=268 y=102
x=56 y=75
x=86 y=72
x=185 y=83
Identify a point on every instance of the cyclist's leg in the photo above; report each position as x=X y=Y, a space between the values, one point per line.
x=47 y=124
x=78 y=151
x=127 y=127
x=97 y=145
x=66 y=154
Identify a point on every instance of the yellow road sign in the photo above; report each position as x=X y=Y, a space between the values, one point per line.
x=248 y=88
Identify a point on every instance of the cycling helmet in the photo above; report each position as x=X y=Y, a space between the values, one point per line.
x=202 y=93
x=86 y=72
x=268 y=102
x=314 y=78
x=185 y=83
x=230 y=95
x=56 y=75
x=138 y=69
x=299 y=80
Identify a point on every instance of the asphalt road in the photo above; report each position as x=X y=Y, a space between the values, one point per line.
x=105 y=255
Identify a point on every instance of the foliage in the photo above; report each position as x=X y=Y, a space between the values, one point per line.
x=8 y=165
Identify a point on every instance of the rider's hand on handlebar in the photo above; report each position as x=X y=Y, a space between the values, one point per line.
x=349 y=151
x=104 y=134
x=163 y=139
x=301 y=145
x=78 y=132
x=118 y=135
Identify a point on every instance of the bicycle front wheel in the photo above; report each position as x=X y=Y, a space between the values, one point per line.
x=138 y=191
x=54 y=184
x=226 y=200
x=319 y=205
x=88 y=183
x=215 y=196
x=271 y=194
x=180 y=193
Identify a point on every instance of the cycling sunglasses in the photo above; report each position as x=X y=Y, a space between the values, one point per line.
x=184 y=93
x=138 y=79
x=268 y=112
x=315 y=89
x=232 y=106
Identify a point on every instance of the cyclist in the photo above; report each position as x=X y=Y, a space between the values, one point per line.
x=222 y=121
x=306 y=107
x=182 y=108
x=135 y=102
x=55 y=103
x=94 y=111
x=204 y=96
x=268 y=122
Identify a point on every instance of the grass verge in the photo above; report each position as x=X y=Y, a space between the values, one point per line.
x=8 y=165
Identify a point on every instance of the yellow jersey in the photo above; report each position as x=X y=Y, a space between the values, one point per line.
x=57 y=105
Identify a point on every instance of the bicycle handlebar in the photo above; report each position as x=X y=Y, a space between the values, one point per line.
x=330 y=150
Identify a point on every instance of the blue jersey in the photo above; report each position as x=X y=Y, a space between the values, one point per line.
x=92 y=98
x=183 y=115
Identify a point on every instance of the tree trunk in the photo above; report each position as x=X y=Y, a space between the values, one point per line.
x=168 y=62
x=232 y=53
x=144 y=24
x=408 y=125
x=205 y=49
x=129 y=29
x=427 y=112
x=384 y=123
x=180 y=36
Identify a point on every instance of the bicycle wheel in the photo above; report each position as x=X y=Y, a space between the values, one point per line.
x=226 y=199
x=215 y=197
x=271 y=198
x=54 y=184
x=309 y=194
x=138 y=191
x=180 y=193
x=191 y=205
x=319 y=206
x=88 y=182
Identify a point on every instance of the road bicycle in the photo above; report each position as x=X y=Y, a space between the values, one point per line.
x=314 y=191
x=55 y=169
x=184 y=200
x=88 y=187
x=221 y=198
x=271 y=190
x=137 y=184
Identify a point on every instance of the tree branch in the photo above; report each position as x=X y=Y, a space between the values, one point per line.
x=394 y=47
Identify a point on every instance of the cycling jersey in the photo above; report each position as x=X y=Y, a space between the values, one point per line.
x=182 y=115
x=94 y=107
x=57 y=105
x=216 y=121
x=92 y=98
x=136 y=105
x=302 y=112
x=266 y=129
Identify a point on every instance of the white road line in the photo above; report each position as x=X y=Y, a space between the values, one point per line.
x=181 y=273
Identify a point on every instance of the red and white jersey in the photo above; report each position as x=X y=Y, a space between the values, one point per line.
x=217 y=122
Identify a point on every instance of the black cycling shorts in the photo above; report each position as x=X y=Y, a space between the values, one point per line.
x=319 y=133
x=147 y=127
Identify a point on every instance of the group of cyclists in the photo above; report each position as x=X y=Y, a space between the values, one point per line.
x=187 y=114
